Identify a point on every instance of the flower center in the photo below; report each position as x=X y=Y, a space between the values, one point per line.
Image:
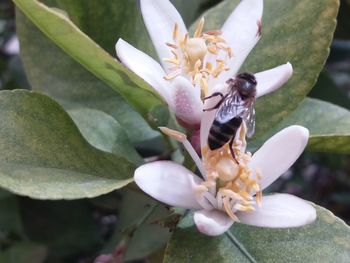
x=228 y=186
x=199 y=58
x=236 y=185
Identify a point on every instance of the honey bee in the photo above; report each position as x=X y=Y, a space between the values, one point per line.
x=233 y=108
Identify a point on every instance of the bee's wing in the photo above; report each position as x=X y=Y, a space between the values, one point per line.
x=249 y=118
x=231 y=107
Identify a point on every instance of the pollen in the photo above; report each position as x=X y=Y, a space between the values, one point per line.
x=237 y=185
x=200 y=58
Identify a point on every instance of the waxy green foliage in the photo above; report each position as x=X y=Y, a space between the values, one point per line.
x=72 y=60
x=58 y=27
x=104 y=132
x=329 y=126
x=142 y=224
x=54 y=73
x=326 y=240
x=45 y=156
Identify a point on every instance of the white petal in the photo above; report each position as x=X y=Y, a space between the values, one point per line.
x=169 y=183
x=213 y=222
x=279 y=153
x=272 y=79
x=280 y=211
x=187 y=104
x=160 y=17
x=241 y=32
x=145 y=67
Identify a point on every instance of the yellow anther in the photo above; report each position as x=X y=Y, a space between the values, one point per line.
x=229 y=52
x=176 y=56
x=258 y=197
x=188 y=51
x=205 y=87
x=228 y=210
x=231 y=194
x=173 y=74
x=171 y=45
x=258 y=173
x=214 y=32
x=209 y=66
x=245 y=195
x=255 y=186
x=213 y=50
x=209 y=38
x=175 y=32
x=197 y=78
x=197 y=65
x=218 y=40
x=179 y=136
x=172 y=61
x=218 y=70
x=222 y=45
x=244 y=208
x=199 y=29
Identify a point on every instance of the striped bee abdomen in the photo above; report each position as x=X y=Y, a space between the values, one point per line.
x=221 y=133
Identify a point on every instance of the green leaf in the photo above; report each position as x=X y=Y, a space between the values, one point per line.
x=148 y=236
x=44 y=155
x=326 y=89
x=325 y=240
x=25 y=252
x=191 y=13
x=66 y=227
x=53 y=72
x=329 y=126
x=104 y=132
x=295 y=31
x=57 y=26
x=104 y=21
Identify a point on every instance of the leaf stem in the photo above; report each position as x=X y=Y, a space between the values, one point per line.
x=241 y=247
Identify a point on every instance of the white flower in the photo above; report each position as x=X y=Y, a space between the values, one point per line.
x=195 y=67
x=229 y=192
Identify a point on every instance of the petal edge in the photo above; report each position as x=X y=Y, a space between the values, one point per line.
x=212 y=222
x=280 y=211
x=160 y=17
x=144 y=66
x=279 y=153
x=272 y=79
x=169 y=183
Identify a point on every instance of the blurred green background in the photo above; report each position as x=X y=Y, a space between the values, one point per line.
x=76 y=231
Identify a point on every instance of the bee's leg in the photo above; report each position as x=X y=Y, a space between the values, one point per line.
x=217 y=105
x=231 y=149
x=215 y=94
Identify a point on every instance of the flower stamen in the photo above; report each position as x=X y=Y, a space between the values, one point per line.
x=181 y=137
x=190 y=53
x=235 y=183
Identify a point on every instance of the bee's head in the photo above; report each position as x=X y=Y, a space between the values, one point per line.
x=246 y=85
